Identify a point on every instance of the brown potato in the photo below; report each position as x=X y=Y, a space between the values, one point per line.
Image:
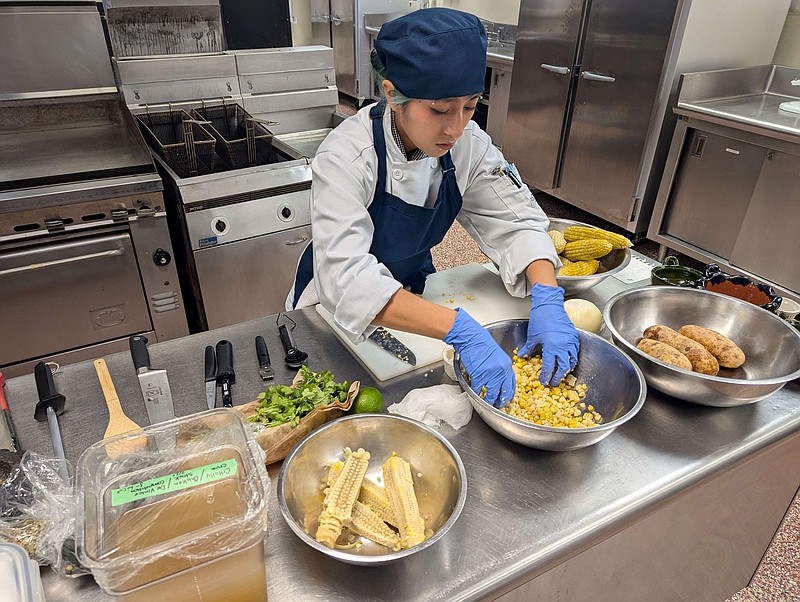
x=665 y=353
x=728 y=353
x=701 y=359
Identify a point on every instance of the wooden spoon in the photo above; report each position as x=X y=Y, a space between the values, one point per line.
x=118 y=422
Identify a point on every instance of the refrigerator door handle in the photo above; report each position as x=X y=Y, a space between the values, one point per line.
x=555 y=69
x=596 y=77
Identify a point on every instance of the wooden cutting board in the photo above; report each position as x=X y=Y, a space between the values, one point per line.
x=474 y=287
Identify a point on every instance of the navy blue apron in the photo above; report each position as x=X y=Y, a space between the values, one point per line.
x=404 y=234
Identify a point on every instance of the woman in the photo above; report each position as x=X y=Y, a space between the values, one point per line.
x=389 y=182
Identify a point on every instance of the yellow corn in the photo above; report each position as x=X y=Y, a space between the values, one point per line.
x=374 y=496
x=587 y=249
x=558 y=240
x=366 y=523
x=564 y=261
x=573 y=233
x=562 y=405
x=400 y=491
x=585 y=267
x=340 y=497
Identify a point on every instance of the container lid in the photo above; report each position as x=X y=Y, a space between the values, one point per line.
x=19 y=575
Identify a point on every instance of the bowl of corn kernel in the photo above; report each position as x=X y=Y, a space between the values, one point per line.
x=605 y=390
x=588 y=254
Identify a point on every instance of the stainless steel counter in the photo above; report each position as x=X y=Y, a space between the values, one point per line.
x=679 y=503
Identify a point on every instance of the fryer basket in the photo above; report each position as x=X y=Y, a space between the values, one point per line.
x=241 y=140
x=183 y=142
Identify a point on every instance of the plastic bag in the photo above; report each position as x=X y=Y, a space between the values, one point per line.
x=435 y=405
x=38 y=513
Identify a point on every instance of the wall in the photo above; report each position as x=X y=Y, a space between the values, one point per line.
x=498 y=11
x=788 y=50
x=301 y=28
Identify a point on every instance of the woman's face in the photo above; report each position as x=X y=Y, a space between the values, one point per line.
x=433 y=126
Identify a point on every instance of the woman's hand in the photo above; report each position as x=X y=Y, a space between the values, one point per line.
x=550 y=326
x=487 y=365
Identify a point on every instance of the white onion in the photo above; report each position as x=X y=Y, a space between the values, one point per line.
x=584 y=314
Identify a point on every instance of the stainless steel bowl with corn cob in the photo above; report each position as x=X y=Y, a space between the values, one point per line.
x=308 y=498
x=596 y=253
x=771 y=346
x=615 y=388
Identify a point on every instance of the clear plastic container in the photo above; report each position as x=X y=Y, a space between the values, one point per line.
x=19 y=575
x=176 y=511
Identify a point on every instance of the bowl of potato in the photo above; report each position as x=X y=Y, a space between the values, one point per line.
x=704 y=347
x=589 y=255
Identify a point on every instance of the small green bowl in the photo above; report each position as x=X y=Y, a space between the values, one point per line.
x=674 y=274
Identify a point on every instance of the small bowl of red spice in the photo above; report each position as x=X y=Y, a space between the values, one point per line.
x=740 y=287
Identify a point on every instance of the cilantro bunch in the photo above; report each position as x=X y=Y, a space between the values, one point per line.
x=281 y=404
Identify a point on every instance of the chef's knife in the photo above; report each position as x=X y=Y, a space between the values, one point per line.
x=386 y=340
x=264 y=365
x=154 y=383
x=225 y=375
x=211 y=377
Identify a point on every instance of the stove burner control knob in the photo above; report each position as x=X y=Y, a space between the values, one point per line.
x=220 y=225
x=161 y=257
x=286 y=212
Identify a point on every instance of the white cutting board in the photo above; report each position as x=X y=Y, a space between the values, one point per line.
x=474 y=287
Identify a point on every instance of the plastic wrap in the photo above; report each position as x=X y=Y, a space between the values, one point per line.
x=38 y=513
x=177 y=510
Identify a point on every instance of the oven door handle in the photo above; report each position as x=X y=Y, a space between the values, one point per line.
x=56 y=262
x=297 y=241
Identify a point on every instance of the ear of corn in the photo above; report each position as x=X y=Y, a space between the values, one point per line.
x=587 y=249
x=585 y=267
x=340 y=497
x=400 y=490
x=574 y=233
x=558 y=240
x=366 y=523
x=564 y=261
x=374 y=496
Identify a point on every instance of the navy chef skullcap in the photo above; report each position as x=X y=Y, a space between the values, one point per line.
x=434 y=53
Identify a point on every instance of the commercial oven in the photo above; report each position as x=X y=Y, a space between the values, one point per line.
x=86 y=258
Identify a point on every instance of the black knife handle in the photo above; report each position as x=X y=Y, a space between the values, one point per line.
x=46 y=388
x=225 y=361
x=262 y=352
x=211 y=363
x=139 y=353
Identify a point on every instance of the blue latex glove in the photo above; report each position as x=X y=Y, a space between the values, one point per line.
x=487 y=365
x=550 y=326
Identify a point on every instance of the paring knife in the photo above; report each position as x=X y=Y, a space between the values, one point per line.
x=264 y=365
x=386 y=340
x=154 y=383
x=211 y=377
x=225 y=375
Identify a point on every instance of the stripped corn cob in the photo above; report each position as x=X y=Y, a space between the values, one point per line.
x=400 y=491
x=573 y=233
x=374 y=496
x=334 y=472
x=339 y=499
x=366 y=523
x=587 y=249
x=559 y=242
x=585 y=267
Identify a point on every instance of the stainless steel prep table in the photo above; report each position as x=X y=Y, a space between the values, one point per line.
x=679 y=503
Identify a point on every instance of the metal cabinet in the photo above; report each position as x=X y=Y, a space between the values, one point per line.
x=499 y=94
x=717 y=176
x=767 y=244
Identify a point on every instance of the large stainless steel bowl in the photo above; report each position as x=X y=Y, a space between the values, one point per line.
x=609 y=265
x=440 y=480
x=617 y=390
x=771 y=346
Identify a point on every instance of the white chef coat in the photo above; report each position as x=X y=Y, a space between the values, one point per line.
x=505 y=221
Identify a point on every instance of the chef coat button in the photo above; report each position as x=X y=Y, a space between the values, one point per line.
x=397 y=174
x=433 y=163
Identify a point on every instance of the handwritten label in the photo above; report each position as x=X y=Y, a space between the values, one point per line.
x=173 y=482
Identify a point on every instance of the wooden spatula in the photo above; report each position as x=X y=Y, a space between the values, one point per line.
x=118 y=422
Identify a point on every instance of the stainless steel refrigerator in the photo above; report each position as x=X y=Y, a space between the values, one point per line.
x=589 y=118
